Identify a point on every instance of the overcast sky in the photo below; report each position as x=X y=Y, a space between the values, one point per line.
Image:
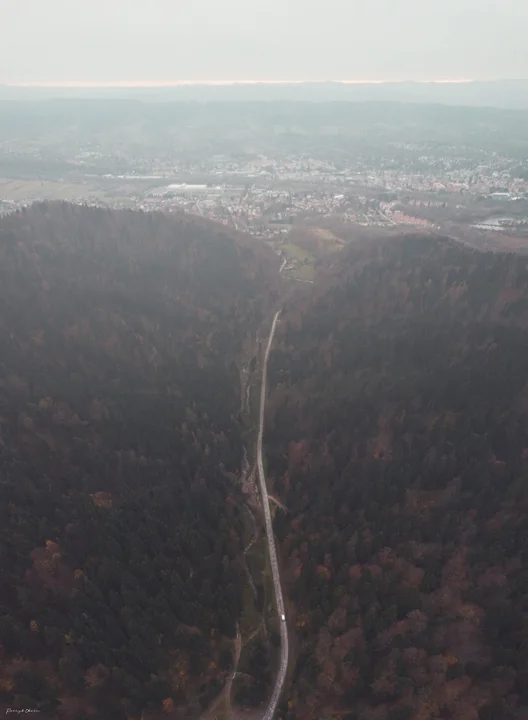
x=111 y=41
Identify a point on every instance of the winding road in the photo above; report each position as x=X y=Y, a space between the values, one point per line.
x=281 y=675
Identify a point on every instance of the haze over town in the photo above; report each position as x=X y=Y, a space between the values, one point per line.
x=263 y=359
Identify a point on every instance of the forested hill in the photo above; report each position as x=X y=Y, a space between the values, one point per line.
x=120 y=537
x=397 y=436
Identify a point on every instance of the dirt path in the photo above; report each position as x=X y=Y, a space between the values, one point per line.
x=229 y=683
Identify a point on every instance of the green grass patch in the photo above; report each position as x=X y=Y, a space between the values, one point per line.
x=298 y=253
x=304 y=272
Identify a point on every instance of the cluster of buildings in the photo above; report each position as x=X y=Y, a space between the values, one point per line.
x=264 y=195
x=270 y=212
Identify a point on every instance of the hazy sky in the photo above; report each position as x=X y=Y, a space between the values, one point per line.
x=109 y=41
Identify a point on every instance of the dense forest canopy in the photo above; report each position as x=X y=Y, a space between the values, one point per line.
x=398 y=439
x=120 y=533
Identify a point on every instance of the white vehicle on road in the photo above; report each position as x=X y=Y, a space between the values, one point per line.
x=283 y=618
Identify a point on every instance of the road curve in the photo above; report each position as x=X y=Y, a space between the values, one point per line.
x=281 y=675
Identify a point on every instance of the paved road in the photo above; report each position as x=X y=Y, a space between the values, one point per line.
x=269 y=713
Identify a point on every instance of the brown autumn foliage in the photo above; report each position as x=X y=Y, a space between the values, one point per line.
x=120 y=334
x=398 y=440
x=401 y=375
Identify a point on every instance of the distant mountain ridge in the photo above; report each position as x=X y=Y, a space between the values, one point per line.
x=512 y=94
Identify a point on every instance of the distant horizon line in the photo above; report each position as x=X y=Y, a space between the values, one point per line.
x=221 y=83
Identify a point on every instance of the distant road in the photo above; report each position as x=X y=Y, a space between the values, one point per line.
x=269 y=714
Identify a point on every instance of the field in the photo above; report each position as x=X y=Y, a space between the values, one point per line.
x=18 y=190
x=305 y=269
x=297 y=253
x=331 y=241
x=317 y=241
x=304 y=272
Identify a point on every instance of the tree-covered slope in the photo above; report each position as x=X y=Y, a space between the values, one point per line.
x=397 y=437
x=120 y=536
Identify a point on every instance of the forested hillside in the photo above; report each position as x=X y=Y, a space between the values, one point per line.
x=120 y=536
x=397 y=437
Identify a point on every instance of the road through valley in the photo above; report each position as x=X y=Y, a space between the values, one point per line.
x=269 y=713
